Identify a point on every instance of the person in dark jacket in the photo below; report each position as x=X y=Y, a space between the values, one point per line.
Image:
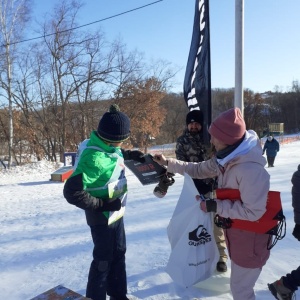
x=190 y=148
x=98 y=186
x=285 y=287
x=271 y=147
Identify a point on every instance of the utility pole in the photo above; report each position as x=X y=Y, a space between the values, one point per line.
x=239 y=55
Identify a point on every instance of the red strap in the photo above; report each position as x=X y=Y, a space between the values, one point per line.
x=267 y=223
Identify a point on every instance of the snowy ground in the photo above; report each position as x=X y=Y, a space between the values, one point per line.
x=45 y=241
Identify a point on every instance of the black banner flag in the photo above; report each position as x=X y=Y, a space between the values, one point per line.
x=197 y=81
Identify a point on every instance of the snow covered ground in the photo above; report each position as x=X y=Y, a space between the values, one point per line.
x=44 y=241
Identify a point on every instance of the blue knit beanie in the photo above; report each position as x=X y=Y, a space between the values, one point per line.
x=114 y=125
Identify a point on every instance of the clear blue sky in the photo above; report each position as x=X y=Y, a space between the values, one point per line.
x=164 y=31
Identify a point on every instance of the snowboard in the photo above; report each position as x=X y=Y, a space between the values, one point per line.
x=147 y=172
x=60 y=293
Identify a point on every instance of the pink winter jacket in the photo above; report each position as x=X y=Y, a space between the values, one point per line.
x=244 y=170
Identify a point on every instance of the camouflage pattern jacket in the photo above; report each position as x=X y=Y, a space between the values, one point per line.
x=190 y=148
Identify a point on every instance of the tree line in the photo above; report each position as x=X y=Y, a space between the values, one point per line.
x=157 y=117
x=54 y=90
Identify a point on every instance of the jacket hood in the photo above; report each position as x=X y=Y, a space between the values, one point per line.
x=246 y=152
x=95 y=140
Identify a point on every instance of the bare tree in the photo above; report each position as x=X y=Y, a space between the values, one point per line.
x=254 y=111
x=174 y=123
x=74 y=70
x=222 y=99
x=61 y=84
x=141 y=102
x=14 y=14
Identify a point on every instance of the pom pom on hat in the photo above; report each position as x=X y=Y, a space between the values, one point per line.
x=229 y=127
x=114 y=125
x=194 y=116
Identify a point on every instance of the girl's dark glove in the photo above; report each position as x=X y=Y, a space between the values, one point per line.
x=112 y=205
x=208 y=205
x=133 y=155
x=211 y=205
x=296 y=232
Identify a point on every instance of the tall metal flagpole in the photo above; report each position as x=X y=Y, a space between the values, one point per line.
x=239 y=54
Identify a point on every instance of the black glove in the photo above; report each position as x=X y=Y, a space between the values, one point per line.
x=211 y=205
x=162 y=188
x=113 y=205
x=221 y=222
x=296 y=232
x=133 y=155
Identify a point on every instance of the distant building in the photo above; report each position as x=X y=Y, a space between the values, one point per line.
x=276 y=128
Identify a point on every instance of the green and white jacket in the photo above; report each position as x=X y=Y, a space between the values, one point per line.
x=99 y=173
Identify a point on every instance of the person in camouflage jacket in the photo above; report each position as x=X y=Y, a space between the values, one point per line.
x=190 y=148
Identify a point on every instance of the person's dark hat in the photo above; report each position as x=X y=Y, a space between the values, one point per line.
x=194 y=116
x=114 y=125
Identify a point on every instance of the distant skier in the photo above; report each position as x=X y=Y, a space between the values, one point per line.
x=271 y=147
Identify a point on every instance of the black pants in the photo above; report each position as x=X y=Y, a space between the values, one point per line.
x=270 y=161
x=107 y=273
x=292 y=280
x=202 y=186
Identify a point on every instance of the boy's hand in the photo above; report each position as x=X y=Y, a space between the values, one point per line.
x=109 y=206
x=133 y=155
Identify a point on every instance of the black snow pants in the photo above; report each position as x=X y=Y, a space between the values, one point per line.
x=107 y=273
x=292 y=280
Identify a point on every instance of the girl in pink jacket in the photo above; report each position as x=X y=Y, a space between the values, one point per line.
x=238 y=164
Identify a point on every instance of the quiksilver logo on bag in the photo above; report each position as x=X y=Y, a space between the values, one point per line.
x=199 y=236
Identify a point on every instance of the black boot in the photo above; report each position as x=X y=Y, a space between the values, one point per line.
x=280 y=291
x=221 y=266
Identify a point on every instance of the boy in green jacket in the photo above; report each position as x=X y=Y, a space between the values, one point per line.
x=98 y=186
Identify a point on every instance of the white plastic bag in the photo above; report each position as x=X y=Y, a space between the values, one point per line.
x=194 y=252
